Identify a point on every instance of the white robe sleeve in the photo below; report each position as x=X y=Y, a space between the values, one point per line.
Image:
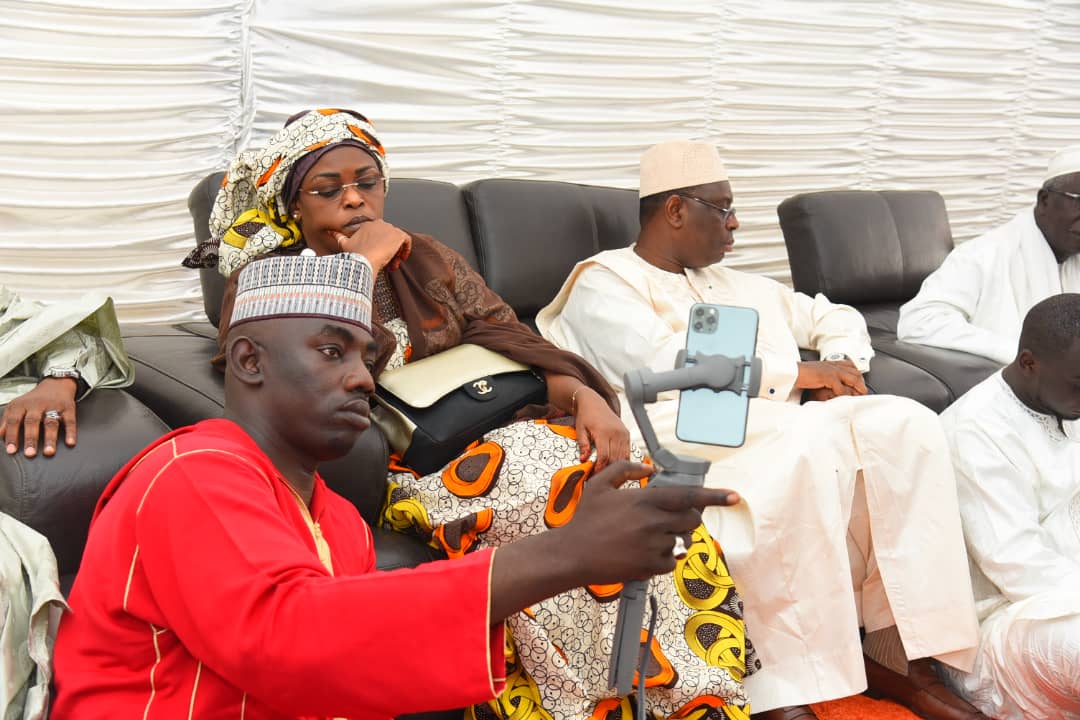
x=608 y=323
x=828 y=327
x=1000 y=513
x=82 y=334
x=940 y=314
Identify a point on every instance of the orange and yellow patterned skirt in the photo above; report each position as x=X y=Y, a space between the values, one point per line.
x=524 y=478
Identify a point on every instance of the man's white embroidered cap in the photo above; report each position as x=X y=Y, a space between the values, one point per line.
x=336 y=286
x=1065 y=162
x=679 y=164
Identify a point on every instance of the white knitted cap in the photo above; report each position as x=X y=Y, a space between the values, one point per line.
x=1065 y=162
x=679 y=164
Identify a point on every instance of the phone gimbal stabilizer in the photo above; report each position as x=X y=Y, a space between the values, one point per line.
x=715 y=372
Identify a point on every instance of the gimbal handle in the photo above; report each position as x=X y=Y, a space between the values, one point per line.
x=717 y=372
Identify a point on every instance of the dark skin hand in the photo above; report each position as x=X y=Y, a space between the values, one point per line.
x=26 y=414
x=824 y=380
x=383 y=244
x=615 y=536
x=596 y=424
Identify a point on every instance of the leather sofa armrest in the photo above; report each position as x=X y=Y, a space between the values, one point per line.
x=56 y=496
x=956 y=371
x=892 y=376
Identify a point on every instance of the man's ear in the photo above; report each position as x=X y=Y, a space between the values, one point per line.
x=675 y=211
x=244 y=358
x=1042 y=198
x=1027 y=362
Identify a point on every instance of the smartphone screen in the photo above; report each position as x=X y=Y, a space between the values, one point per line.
x=710 y=416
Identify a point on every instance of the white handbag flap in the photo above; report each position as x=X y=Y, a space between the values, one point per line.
x=423 y=382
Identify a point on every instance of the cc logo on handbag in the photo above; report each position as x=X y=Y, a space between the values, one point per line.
x=482 y=389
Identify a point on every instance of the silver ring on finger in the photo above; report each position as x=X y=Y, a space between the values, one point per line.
x=679 y=551
x=53 y=415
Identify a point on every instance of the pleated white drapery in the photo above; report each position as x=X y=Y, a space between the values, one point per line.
x=112 y=110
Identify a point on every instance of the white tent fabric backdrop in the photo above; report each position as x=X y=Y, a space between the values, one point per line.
x=113 y=109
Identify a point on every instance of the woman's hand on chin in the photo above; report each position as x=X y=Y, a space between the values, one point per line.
x=598 y=427
x=383 y=244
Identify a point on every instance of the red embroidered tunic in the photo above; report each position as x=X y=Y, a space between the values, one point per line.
x=201 y=594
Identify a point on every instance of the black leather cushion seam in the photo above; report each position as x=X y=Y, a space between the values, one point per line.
x=903 y=255
x=154 y=368
x=22 y=497
x=899 y=248
x=479 y=241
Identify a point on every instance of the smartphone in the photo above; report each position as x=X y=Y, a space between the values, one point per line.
x=710 y=416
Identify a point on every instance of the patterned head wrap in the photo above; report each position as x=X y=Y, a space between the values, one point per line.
x=251 y=214
x=337 y=287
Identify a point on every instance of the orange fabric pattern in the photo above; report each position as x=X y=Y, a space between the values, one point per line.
x=525 y=478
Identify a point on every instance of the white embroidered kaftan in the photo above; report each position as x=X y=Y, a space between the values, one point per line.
x=1018 y=477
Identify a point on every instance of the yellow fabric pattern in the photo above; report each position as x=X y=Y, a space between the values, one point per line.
x=521 y=698
x=702 y=581
x=257 y=217
x=404 y=514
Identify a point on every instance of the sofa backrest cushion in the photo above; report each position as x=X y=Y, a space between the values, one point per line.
x=431 y=207
x=864 y=246
x=530 y=233
x=421 y=206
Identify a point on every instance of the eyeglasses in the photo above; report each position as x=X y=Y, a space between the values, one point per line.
x=1075 y=196
x=330 y=192
x=725 y=213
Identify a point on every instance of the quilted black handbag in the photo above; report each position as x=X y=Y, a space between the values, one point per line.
x=431 y=409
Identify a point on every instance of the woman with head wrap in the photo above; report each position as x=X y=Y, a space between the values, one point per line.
x=320 y=183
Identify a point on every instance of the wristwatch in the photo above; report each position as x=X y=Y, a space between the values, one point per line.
x=836 y=357
x=62 y=373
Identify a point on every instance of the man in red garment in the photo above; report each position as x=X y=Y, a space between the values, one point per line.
x=223 y=579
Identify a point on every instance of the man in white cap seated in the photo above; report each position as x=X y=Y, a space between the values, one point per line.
x=815 y=478
x=1015 y=448
x=977 y=299
x=222 y=578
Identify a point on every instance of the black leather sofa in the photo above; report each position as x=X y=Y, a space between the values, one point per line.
x=872 y=250
x=867 y=249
